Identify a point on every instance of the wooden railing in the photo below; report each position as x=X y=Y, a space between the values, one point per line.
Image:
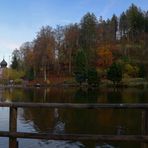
x=13 y=134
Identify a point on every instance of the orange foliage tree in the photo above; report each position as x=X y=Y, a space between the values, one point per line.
x=105 y=58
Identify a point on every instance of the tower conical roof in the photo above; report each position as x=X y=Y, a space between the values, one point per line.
x=3 y=63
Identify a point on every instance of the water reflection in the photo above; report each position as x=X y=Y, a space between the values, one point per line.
x=86 y=95
x=101 y=121
x=114 y=96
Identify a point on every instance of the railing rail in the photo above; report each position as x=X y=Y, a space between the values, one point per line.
x=77 y=105
x=13 y=134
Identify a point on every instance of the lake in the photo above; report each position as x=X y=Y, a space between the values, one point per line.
x=83 y=121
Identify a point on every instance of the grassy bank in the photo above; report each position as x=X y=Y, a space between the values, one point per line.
x=127 y=82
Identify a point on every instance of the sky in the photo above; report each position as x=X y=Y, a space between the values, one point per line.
x=20 y=20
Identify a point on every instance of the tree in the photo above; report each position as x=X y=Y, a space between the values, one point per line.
x=16 y=60
x=44 y=50
x=71 y=35
x=28 y=58
x=59 y=39
x=88 y=37
x=105 y=58
x=113 y=27
x=30 y=73
x=146 y=22
x=81 y=67
x=123 y=25
x=135 y=22
x=93 y=77
x=115 y=73
x=142 y=71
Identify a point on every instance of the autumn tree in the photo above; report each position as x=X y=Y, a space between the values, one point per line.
x=28 y=59
x=105 y=58
x=101 y=31
x=71 y=35
x=44 y=50
x=59 y=39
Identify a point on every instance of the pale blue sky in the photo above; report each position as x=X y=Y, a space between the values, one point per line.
x=20 y=20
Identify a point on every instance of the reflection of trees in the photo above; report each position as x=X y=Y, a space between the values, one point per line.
x=131 y=95
x=143 y=95
x=61 y=95
x=50 y=95
x=43 y=120
x=86 y=95
x=114 y=96
x=101 y=121
x=12 y=94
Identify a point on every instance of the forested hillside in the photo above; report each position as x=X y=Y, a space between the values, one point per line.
x=93 y=42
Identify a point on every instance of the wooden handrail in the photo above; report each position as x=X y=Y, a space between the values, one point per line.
x=92 y=137
x=76 y=105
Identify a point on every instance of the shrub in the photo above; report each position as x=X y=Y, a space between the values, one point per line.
x=18 y=81
x=93 y=77
x=114 y=73
x=142 y=71
x=131 y=70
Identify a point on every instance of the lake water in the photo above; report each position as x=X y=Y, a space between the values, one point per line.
x=100 y=121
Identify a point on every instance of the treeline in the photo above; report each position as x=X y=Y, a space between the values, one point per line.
x=91 y=44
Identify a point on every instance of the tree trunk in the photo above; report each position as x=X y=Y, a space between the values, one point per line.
x=45 y=74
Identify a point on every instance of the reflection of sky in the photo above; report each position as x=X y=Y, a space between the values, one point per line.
x=4 y=125
x=28 y=127
x=4 y=122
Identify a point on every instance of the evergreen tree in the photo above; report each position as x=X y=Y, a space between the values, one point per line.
x=93 y=77
x=114 y=26
x=135 y=22
x=146 y=22
x=15 y=63
x=16 y=60
x=30 y=74
x=123 y=26
x=115 y=73
x=88 y=36
x=142 y=71
x=81 y=67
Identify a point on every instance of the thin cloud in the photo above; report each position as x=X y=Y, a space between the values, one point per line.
x=7 y=44
x=65 y=21
x=106 y=10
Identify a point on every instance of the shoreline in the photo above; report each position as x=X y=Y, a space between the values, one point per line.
x=126 y=83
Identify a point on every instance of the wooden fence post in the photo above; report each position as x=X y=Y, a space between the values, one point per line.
x=13 y=127
x=144 y=125
x=146 y=121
